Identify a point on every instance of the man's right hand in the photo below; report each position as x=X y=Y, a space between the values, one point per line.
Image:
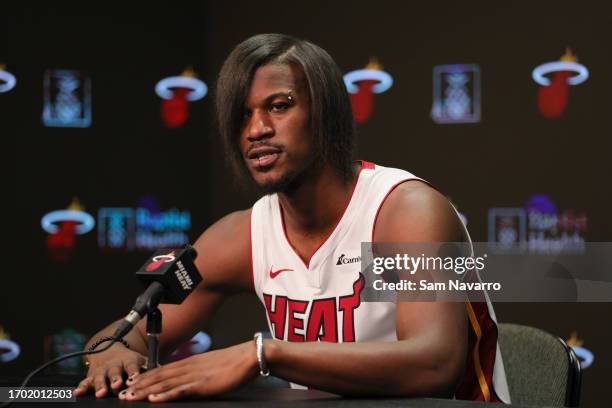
x=108 y=368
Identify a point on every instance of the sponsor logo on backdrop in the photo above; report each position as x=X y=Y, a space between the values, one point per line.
x=362 y=84
x=176 y=93
x=63 y=226
x=554 y=79
x=9 y=350
x=585 y=356
x=67 y=98
x=66 y=341
x=538 y=227
x=456 y=93
x=199 y=343
x=7 y=80
x=145 y=227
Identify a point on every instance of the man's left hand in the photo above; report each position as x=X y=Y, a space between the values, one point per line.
x=207 y=374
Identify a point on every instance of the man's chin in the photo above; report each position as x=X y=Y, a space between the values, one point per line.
x=280 y=184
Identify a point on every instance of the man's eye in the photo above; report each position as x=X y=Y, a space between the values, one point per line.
x=279 y=107
x=246 y=115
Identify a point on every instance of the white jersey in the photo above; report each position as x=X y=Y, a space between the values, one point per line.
x=320 y=300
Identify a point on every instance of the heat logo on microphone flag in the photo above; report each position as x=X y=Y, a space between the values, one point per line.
x=176 y=93
x=362 y=84
x=456 y=93
x=159 y=260
x=63 y=226
x=67 y=101
x=7 y=80
x=553 y=94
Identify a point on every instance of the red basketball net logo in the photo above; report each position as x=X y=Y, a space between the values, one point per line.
x=159 y=260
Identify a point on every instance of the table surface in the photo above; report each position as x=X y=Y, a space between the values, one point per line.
x=251 y=395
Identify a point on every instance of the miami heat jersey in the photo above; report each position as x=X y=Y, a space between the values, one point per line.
x=320 y=300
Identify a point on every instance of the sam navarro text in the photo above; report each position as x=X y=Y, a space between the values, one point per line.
x=423 y=284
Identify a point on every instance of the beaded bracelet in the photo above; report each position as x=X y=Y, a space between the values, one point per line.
x=103 y=340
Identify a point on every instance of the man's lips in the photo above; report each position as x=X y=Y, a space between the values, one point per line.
x=263 y=156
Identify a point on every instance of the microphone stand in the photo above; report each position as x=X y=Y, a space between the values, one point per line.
x=154 y=327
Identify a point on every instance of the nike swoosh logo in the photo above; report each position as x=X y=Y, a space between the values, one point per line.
x=274 y=274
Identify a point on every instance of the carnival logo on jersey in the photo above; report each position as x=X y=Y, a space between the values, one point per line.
x=362 y=84
x=9 y=350
x=343 y=260
x=66 y=341
x=585 y=356
x=7 y=80
x=159 y=260
x=538 y=227
x=456 y=93
x=314 y=320
x=176 y=93
x=67 y=101
x=145 y=227
x=63 y=226
x=553 y=94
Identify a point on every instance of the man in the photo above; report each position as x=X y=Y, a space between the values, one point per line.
x=285 y=118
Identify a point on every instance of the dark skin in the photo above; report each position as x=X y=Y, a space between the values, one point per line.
x=422 y=362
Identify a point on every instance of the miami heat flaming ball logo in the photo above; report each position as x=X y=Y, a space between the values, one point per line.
x=63 y=226
x=362 y=84
x=7 y=80
x=553 y=92
x=177 y=92
x=159 y=260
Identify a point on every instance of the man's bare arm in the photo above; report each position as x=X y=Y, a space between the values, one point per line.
x=224 y=264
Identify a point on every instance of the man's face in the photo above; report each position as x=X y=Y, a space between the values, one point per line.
x=276 y=141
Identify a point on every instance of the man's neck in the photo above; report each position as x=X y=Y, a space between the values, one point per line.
x=318 y=203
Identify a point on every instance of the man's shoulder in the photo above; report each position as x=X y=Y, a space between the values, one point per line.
x=415 y=211
x=234 y=220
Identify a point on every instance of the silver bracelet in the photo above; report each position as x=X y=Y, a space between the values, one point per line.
x=261 y=359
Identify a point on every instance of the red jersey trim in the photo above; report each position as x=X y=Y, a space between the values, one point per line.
x=367 y=165
x=387 y=195
x=282 y=215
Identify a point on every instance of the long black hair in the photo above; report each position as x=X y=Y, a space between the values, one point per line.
x=330 y=110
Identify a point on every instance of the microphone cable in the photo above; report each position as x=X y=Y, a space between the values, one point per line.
x=57 y=360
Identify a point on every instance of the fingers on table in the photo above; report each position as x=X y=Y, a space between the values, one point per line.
x=173 y=385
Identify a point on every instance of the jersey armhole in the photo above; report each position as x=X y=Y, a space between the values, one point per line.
x=393 y=187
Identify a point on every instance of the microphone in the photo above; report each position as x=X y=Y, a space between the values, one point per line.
x=170 y=275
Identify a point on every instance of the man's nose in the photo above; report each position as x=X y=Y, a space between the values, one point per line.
x=259 y=126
